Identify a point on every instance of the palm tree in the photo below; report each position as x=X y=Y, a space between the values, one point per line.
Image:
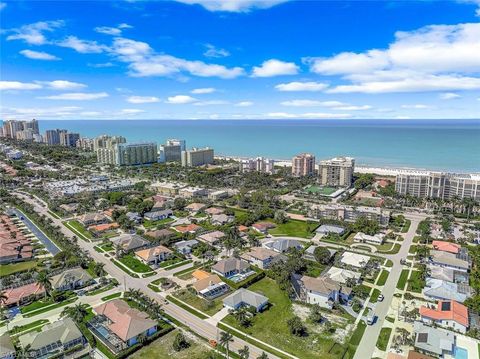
x=263 y=356
x=225 y=339
x=244 y=352
x=99 y=269
x=24 y=352
x=76 y=312
x=45 y=281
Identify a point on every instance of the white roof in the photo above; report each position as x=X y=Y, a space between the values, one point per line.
x=354 y=259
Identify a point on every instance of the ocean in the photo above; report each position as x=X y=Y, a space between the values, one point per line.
x=447 y=145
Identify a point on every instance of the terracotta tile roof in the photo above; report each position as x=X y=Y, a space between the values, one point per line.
x=15 y=295
x=446 y=246
x=214 y=210
x=103 y=227
x=149 y=253
x=263 y=226
x=242 y=228
x=200 y=274
x=187 y=228
x=204 y=283
x=416 y=355
x=260 y=253
x=447 y=310
x=195 y=206
x=127 y=322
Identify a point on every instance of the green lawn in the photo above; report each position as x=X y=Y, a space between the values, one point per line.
x=403 y=279
x=22 y=328
x=208 y=307
x=413 y=249
x=172 y=261
x=374 y=296
x=358 y=333
x=46 y=309
x=150 y=224
x=389 y=248
x=162 y=348
x=415 y=282
x=117 y=263
x=325 y=191
x=271 y=327
x=107 y=247
x=7 y=269
x=383 y=277
x=79 y=229
x=382 y=340
x=294 y=228
x=134 y=264
x=111 y=296
x=406 y=226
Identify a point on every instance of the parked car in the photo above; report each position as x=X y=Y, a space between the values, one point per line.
x=371 y=318
x=380 y=298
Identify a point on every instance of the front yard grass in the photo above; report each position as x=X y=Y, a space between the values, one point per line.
x=294 y=228
x=382 y=340
x=415 y=282
x=134 y=264
x=208 y=307
x=78 y=229
x=22 y=328
x=7 y=269
x=382 y=279
x=403 y=279
x=150 y=224
x=271 y=326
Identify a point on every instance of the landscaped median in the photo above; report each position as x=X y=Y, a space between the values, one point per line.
x=79 y=230
x=22 y=329
x=383 y=338
x=382 y=279
x=33 y=310
x=125 y=269
x=403 y=279
x=188 y=308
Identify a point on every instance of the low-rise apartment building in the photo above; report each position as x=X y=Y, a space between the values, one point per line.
x=349 y=213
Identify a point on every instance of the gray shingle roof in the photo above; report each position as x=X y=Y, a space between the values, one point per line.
x=245 y=296
x=230 y=264
x=62 y=330
x=433 y=340
x=70 y=275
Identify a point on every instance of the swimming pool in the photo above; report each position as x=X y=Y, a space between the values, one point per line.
x=461 y=353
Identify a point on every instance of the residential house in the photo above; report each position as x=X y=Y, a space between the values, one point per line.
x=119 y=326
x=154 y=255
x=210 y=287
x=129 y=242
x=354 y=259
x=447 y=274
x=376 y=239
x=71 y=279
x=91 y=219
x=218 y=195
x=195 y=207
x=14 y=250
x=158 y=215
x=53 y=340
x=448 y=260
x=160 y=234
x=192 y=192
x=282 y=245
x=325 y=229
x=211 y=238
x=263 y=227
x=243 y=298
x=342 y=276
x=446 y=246
x=24 y=294
x=135 y=217
x=7 y=349
x=440 y=289
x=429 y=340
x=102 y=228
x=262 y=257
x=412 y=354
x=310 y=253
x=230 y=266
x=322 y=290
x=185 y=247
x=448 y=314
x=221 y=219
x=214 y=211
x=188 y=228
x=69 y=207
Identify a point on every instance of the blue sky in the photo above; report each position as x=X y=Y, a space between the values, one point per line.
x=232 y=59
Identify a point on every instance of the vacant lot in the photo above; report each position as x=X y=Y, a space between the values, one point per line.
x=294 y=228
x=134 y=264
x=7 y=269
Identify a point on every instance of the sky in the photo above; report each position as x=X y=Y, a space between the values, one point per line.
x=233 y=59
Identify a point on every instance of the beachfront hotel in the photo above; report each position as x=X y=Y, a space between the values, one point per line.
x=197 y=157
x=438 y=185
x=303 y=165
x=337 y=172
x=171 y=151
x=259 y=164
x=128 y=154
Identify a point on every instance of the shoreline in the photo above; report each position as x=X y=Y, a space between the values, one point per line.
x=377 y=170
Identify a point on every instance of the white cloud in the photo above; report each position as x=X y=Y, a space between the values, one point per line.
x=204 y=90
x=301 y=86
x=244 y=104
x=353 y=108
x=143 y=61
x=16 y=85
x=33 y=33
x=82 y=46
x=234 y=5
x=213 y=51
x=181 y=99
x=101 y=65
x=108 y=30
x=432 y=58
x=211 y=103
x=335 y=105
x=142 y=99
x=275 y=67
x=63 y=85
x=77 y=96
x=48 y=111
x=124 y=26
x=309 y=115
x=38 y=55
x=301 y=103
x=449 y=96
x=131 y=111
x=418 y=106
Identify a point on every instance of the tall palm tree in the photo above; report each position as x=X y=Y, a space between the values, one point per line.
x=45 y=281
x=24 y=352
x=77 y=313
x=99 y=269
x=263 y=356
x=244 y=352
x=225 y=339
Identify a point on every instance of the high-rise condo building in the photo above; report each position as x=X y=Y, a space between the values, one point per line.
x=303 y=165
x=105 y=141
x=128 y=154
x=171 y=151
x=197 y=157
x=336 y=172
x=68 y=139
x=177 y=142
x=52 y=137
x=438 y=185
x=259 y=164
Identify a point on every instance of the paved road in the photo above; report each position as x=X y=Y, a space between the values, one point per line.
x=200 y=326
x=368 y=343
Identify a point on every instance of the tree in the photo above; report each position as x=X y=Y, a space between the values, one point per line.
x=180 y=342
x=296 y=326
x=365 y=225
x=322 y=255
x=45 y=281
x=263 y=356
x=364 y=180
x=280 y=217
x=77 y=313
x=142 y=338
x=99 y=269
x=225 y=340
x=242 y=315
x=179 y=203
x=244 y=352
x=315 y=314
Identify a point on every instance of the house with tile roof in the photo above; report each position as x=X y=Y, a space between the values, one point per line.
x=263 y=227
x=90 y=219
x=448 y=260
x=210 y=287
x=211 y=238
x=354 y=259
x=429 y=340
x=154 y=255
x=322 y=290
x=262 y=257
x=188 y=228
x=129 y=242
x=440 y=289
x=7 y=349
x=160 y=234
x=341 y=275
x=118 y=325
x=281 y=245
x=214 y=211
x=447 y=274
x=23 y=294
x=245 y=298
x=230 y=266
x=446 y=246
x=195 y=207
x=101 y=228
x=53 y=340
x=157 y=215
x=185 y=247
x=447 y=314
x=71 y=279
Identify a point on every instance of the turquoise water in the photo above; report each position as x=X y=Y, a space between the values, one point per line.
x=440 y=145
x=461 y=353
